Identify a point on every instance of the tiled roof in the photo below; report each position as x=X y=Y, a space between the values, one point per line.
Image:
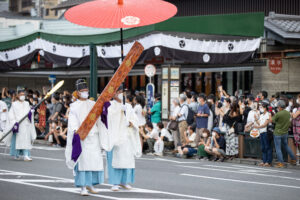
x=69 y=3
x=287 y=26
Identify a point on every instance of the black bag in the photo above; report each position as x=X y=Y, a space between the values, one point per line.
x=173 y=125
x=190 y=118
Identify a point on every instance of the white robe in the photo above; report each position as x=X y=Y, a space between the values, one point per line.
x=91 y=157
x=3 y=117
x=123 y=140
x=27 y=132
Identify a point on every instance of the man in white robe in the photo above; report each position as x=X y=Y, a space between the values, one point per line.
x=88 y=167
x=21 y=138
x=120 y=138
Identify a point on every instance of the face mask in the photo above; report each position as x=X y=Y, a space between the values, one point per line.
x=214 y=134
x=204 y=135
x=34 y=96
x=243 y=106
x=84 y=95
x=120 y=96
x=53 y=125
x=261 y=110
x=33 y=103
x=290 y=104
x=22 y=98
x=40 y=99
x=298 y=101
x=225 y=104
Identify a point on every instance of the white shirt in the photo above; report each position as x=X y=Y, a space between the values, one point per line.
x=192 y=138
x=153 y=134
x=176 y=111
x=262 y=119
x=139 y=113
x=164 y=132
x=251 y=116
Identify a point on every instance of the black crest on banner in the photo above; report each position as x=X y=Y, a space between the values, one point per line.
x=230 y=46
x=54 y=48
x=83 y=52
x=103 y=52
x=182 y=43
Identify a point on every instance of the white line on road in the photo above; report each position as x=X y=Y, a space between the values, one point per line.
x=242 y=168
x=239 y=172
x=174 y=161
x=271 y=170
x=76 y=190
x=37 y=157
x=241 y=181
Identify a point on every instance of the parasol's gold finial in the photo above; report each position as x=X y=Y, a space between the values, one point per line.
x=120 y=2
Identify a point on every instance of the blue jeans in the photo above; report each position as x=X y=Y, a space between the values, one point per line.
x=278 y=139
x=266 y=148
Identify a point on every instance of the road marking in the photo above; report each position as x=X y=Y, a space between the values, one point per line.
x=77 y=190
x=241 y=181
x=173 y=161
x=239 y=172
x=271 y=170
x=247 y=169
x=37 y=157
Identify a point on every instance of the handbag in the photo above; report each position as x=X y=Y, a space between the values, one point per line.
x=173 y=125
x=231 y=130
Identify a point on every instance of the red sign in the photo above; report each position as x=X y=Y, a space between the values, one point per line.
x=275 y=65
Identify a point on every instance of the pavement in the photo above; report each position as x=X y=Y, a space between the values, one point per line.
x=48 y=178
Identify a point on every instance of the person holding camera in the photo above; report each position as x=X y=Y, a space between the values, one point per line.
x=218 y=147
x=262 y=122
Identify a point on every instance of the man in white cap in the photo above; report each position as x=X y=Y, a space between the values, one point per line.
x=121 y=140
x=23 y=134
x=84 y=156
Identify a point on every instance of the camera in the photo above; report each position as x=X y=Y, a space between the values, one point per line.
x=58 y=127
x=220 y=104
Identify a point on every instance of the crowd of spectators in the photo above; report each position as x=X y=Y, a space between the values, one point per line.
x=206 y=127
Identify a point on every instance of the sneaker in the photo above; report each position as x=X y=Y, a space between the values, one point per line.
x=261 y=164
x=216 y=159
x=267 y=165
x=279 y=165
x=149 y=154
x=92 y=190
x=115 y=188
x=158 y=154
x=27 y=158
x=293 y=162
x=178 y=155
x=126 y=187
x=84 y=192
x=222 y=159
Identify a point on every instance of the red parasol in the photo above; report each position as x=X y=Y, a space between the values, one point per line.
x=120 y=13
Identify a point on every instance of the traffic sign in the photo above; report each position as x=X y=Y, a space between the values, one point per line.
x=150 y=70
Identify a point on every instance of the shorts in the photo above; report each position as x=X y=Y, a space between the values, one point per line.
x=191 y=152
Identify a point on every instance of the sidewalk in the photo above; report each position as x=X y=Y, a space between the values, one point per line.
x=245 y=161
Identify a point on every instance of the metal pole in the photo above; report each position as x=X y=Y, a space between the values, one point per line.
x=93 y=71
x=122 y=58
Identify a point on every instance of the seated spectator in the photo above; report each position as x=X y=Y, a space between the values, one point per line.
x=166 y=136
x=62 y=133
x=189 y=148
x=218 y=145
x=205 y=142
x=53 y=135
x=150 y=137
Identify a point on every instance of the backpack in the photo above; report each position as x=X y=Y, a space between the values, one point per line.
x=190 y=117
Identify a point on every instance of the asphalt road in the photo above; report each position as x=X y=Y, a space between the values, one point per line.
x=48 y=178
